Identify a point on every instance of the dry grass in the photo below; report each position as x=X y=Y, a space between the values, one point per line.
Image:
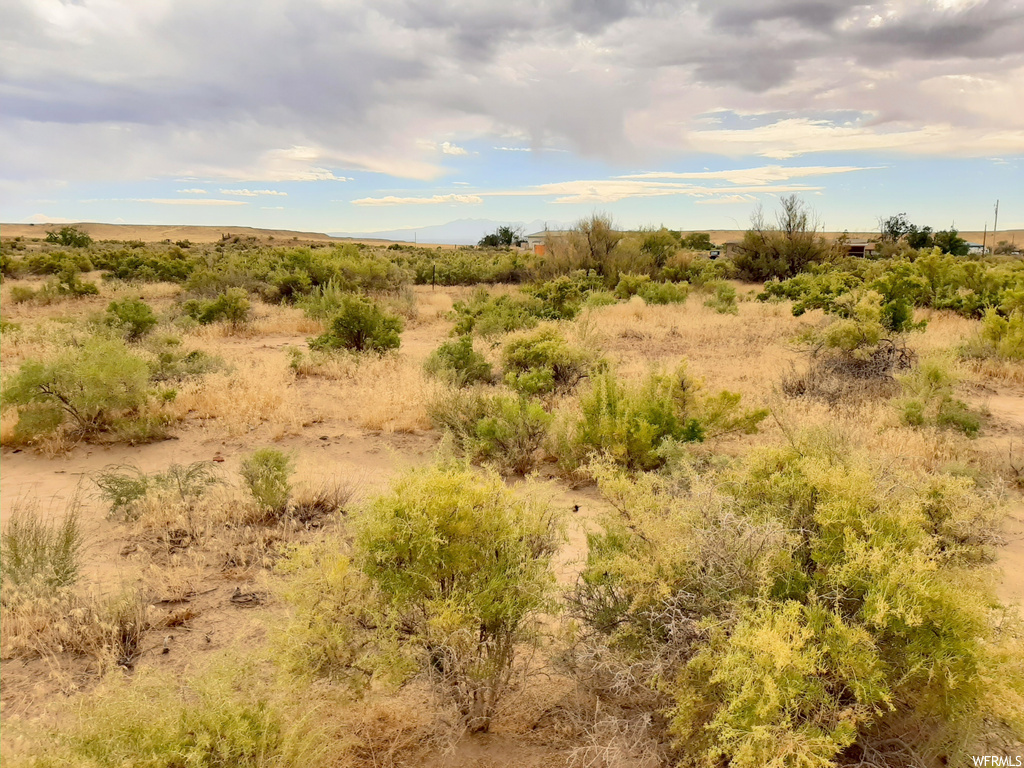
x=254 y=392
x=384 y=393
x=744 y=353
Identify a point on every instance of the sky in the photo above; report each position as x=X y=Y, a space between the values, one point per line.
x=344 y=116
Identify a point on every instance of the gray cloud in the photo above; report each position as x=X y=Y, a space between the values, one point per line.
x=276 y=90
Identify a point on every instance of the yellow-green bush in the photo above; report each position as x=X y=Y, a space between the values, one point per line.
x=629 y=423
x=462 y=567
x=98 y=386
x=807 y=607
x=541 y=361
x=223 y=718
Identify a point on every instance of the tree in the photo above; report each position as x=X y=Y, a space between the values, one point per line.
x=949 y=241
x=698 y=241
x=782 y=249
x=69 y=236
x=894 y=228
x=503 y=237
x=659 y=245
x=919 y=238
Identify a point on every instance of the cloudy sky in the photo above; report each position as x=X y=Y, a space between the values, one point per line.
x=340 y=115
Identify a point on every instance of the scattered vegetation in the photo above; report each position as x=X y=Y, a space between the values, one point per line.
x=100 y=386
x=542 y=361
x=459 y=364
x=134 y=317
x=462 y=567
x=809 y=608
x=231 y=307
x=808 y=596
x=360 y=326
x=630 y=423
x=266 y=474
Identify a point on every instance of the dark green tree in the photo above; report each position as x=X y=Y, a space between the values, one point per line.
x=503 y=237
x=949 y=241
x=69 y=236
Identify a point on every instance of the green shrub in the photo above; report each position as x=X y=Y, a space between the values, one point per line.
x=929 y=400
x=324 y=301
x=360 y=326
x=462 y=567
x=232 y=307
x=56 y=262
x=328 y=635
x=564 y=296
x=226 y=717
x=999 y=338
x=37 y=554
x=466 y=266
x=134 y=316
x=124 y=487
x=917 y=279
x=630 y=423
x=504 y=431
x=174 y=364
x=783 y=249
x=458 y=363
x=89 y=387
x=630 y=285
x=722 y=298
x=664 y=293
x=806 y=609
x=699 y=270
x=148 y=265
x=659 y=245
x=20 y=294
x=542 y=361
x=488 y=315
x=67 y=283
x=266 y=473
x=698 y=241
x=70 y=236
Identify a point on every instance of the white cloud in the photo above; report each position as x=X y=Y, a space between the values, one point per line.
x=173 y=201
x=253 y=192
x=192 y=192
x=448 y=148
x=798 y=136
x=271 y=207
x=613 y=190
x=728 y=200
x=435 y=200
x=763 y=175
x=512 y=149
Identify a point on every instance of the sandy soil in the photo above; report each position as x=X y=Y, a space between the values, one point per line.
x=365 y=423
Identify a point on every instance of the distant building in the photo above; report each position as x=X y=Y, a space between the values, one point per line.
x=860 y=247
x=977 y=249
x=537 y=242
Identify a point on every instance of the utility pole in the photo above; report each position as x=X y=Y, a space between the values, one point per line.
x=995 y=227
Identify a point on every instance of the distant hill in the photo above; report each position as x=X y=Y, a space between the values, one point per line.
x=459 y=232
x=154 y=233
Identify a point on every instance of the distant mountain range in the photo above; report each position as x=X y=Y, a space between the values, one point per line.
x=458 y=232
